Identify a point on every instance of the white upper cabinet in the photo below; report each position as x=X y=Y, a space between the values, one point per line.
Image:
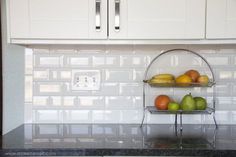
x=221 y=19
x=130 y=21
x=57 y=19
x=157 y=19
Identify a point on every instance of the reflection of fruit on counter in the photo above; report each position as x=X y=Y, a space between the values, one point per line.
x=188 y=103
x=184 y=79
x=193 y=74
x=162 y=101
x=173 y=106
x=203 y=80
x=201 y=103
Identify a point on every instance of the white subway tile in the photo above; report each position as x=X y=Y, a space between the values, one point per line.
x=138 y=75
x=66 y=88
x=159 y=119
x=192 y=119
x=112 y=61
x=65 y=75
x=130 y=89
x=107 y=89
x=56 y=101
x=133 y=61
x=28 y=113
x=54 y=75
x=28 y=88
x=123 y=102
x=28 y=61
x=41 y=74
x=218 y=61
x=48 y=61
x=79 y=61
x=223 y=89
x=49 y=88
x=186 y=60
x=118 y=75
x=131 y=116
x=94 y=102
x=225 y=100
x=223 y=117
x=40 y=100
x=69 y=101
x=207 y=119
x=99 y=61
x=168 y=60
x=225 y=74
x=106 y=61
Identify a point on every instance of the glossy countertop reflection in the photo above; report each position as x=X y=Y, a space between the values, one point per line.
x=121 y=139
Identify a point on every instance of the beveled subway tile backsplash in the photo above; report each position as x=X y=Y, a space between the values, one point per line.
x=51 y=98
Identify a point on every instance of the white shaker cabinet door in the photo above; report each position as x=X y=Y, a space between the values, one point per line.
x=57 y=19
x=157 y=19
x=221 y=19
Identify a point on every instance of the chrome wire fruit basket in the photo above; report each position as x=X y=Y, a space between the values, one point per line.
x=173 y=61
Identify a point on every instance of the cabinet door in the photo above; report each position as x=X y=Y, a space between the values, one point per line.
x=157 y=19
x=221 y=19
x=58 y=19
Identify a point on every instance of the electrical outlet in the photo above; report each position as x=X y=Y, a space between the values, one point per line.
x=86 y=80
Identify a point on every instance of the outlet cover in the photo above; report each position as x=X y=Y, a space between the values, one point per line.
x=86 y=80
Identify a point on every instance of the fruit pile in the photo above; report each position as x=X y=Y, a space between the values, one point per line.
x=188 y=103
x=186 y=79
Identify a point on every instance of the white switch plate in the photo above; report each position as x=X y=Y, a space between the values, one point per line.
x=86 y=80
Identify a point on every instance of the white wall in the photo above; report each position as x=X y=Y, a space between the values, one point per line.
x=13 y=80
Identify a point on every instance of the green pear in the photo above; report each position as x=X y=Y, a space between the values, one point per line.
x=188 y=103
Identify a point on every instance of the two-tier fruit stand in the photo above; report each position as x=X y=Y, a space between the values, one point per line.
x=210 y=110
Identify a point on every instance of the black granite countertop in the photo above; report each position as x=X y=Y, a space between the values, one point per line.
x=119 y=140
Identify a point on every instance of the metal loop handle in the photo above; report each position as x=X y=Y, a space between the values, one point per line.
x=186 y=50
x=117 y=15
x=98 y=15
